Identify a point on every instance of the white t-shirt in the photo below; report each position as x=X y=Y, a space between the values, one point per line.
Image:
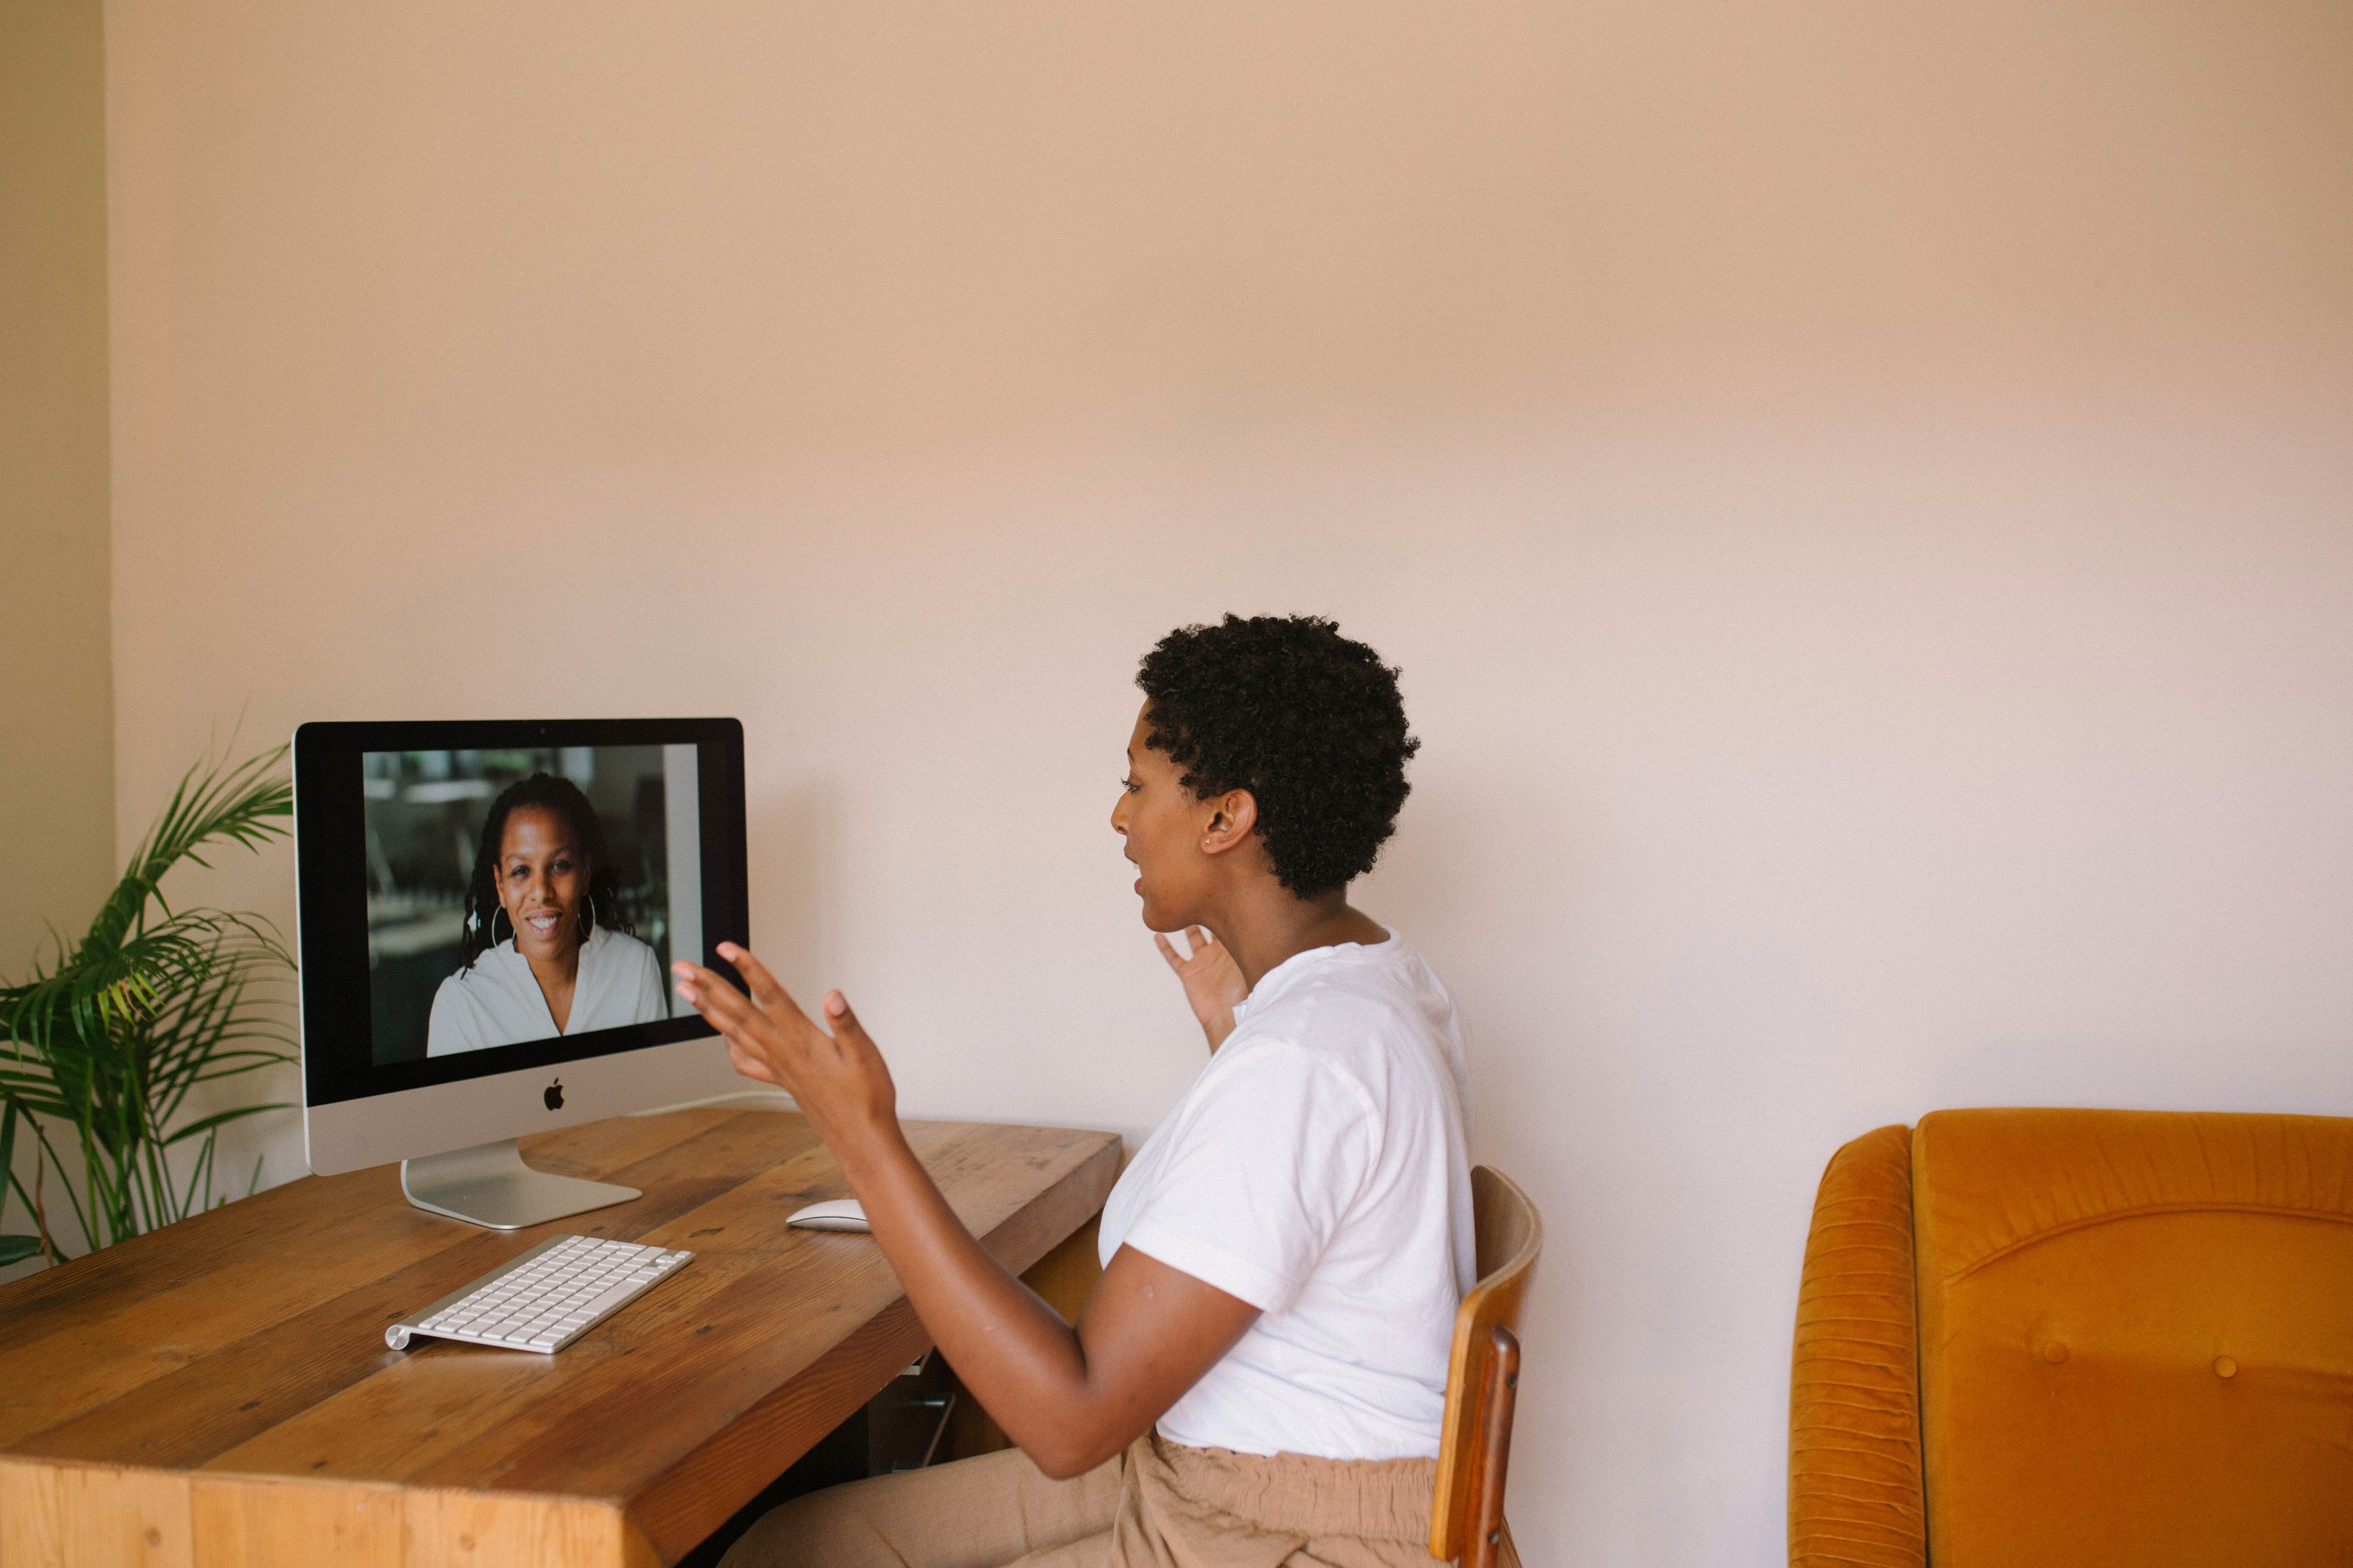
x=498 y=1001
x=1319 y=1169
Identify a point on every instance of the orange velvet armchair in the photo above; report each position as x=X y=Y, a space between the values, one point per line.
x=2031 y=1338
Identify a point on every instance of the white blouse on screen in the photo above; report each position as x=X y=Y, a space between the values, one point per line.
x=498 y=1001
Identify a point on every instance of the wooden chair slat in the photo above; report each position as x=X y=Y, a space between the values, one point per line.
x=1498 y=1394
x=1482 y=1376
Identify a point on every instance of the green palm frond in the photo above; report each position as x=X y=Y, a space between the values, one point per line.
x=243 y=804
x=110 y=1038
x=13 y=1248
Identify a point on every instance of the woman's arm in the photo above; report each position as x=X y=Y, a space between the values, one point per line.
x=1071 y=1398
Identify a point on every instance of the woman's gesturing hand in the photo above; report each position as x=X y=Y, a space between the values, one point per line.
x=839 y=1077
x=1212 y=981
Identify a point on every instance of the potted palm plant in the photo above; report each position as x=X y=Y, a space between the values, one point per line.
x=102 y=1047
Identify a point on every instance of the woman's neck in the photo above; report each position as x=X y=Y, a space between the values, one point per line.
x=562 y=970
x=1261 y=932
x=558 y=979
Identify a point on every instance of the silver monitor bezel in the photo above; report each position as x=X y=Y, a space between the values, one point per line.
x=358 y=1112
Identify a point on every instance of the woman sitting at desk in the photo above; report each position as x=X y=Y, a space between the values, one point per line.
x=1259 y=1376
x=564 y=966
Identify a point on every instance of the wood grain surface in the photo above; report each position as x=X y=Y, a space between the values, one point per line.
x=219 y=1392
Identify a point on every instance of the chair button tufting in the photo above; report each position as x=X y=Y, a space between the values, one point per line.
x=2225 y=1367
x=2054 y=1353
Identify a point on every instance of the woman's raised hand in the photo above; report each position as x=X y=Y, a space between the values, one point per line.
x=839 y=1077
x=1212 y=981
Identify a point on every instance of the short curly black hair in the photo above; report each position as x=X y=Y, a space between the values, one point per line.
x=1307 y=720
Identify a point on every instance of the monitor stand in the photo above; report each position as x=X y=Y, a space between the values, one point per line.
x=488 y=1185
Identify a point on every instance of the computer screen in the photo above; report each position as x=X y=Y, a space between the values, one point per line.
x=486 y=867
x=479 y=897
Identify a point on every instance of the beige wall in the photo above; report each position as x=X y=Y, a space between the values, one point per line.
x=1859 y=495
x=56 y=717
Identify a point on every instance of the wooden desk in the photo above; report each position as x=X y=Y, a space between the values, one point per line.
x=219 y=1392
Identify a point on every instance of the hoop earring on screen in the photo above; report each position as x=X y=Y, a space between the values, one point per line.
x=589 y=929
x=496 y=911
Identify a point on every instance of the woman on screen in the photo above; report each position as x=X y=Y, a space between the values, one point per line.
x=567 y=963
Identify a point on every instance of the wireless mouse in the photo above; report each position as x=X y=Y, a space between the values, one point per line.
x=834 y=1214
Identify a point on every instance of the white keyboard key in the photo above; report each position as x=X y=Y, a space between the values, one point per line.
x=611 y=1299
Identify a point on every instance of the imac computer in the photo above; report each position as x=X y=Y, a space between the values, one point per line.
x=488 y=913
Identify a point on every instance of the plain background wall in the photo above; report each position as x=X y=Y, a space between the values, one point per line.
x=57 y=708
x=1859 y=495
x=57 y=714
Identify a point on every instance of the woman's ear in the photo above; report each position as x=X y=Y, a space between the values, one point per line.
x=1231 y=823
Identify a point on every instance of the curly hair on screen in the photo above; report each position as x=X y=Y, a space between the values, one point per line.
x=1307 y=720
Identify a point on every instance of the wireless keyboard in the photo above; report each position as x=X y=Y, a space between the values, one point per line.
x=546 y=1297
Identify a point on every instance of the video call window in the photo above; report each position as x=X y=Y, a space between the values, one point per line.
x=527 y=894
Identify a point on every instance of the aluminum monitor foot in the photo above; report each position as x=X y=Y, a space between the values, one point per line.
x=488 y=1185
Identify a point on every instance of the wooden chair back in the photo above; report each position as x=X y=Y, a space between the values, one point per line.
x=1482 y=1378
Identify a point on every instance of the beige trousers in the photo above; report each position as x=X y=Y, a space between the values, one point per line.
x=1158 y=1505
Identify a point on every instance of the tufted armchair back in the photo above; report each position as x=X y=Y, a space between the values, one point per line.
x=2031 y=1337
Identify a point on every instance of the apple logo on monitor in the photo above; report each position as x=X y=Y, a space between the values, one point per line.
x=555 y=1095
